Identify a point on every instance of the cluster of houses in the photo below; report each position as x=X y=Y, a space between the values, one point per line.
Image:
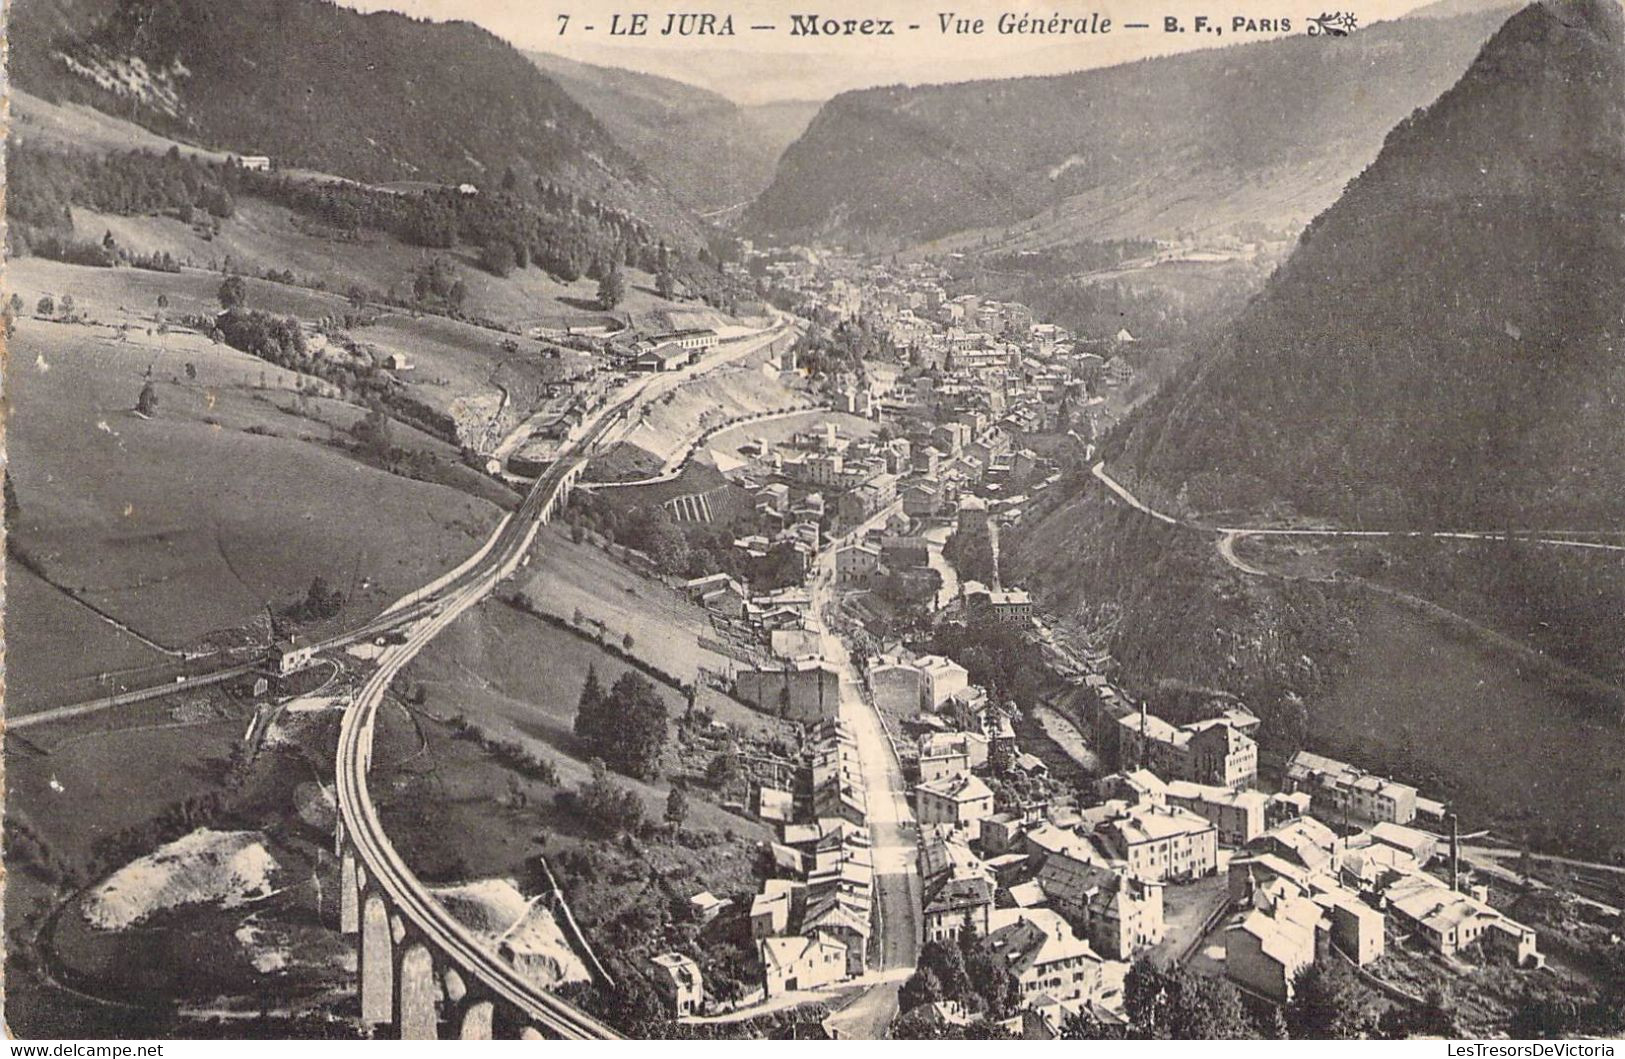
x=968 y=354
x=813 y=922
x=1337 y=864
x=665 y=350
x=813 y=919
x=1331 y=862
x=778 y=643
x=1330 y=867
x=783 y=671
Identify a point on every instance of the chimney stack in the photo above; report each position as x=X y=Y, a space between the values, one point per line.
x=1455 y=853
x=1143 y=748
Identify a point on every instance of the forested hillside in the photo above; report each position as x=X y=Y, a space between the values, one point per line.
x=1444 y=347
x=1263 y=132
x=1441 y=350
x=711 y=152
x=376 y=98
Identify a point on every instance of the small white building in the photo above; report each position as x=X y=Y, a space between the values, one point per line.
x=291 y=657
x=679 y=983
x=792 y=963
x=706 y=906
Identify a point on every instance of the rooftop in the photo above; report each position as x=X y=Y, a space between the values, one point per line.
x=957 y=788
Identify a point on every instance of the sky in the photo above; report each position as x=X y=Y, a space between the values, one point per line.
x=756 y=67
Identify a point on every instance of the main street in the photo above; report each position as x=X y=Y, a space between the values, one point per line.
x=893 y=833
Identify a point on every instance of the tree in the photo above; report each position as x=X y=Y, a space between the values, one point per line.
x=922 y=987
x=218 y=202
x=626 y=642
x=1431 y=1018
x=665 y=286
x=233 y=293
x=626 y=727
x=16 y=303
x=611 y=287
x=46 y=306
x=638 y=728
x=654 y=533
x=940 y=976
x=372 y=434
x=723 y=769
x=1325 y=1004
x=607 y=804
x=1549 y=1017
x=1083 y=1026
x=590 y=708
x=1179 y=1005
x=147 y=402
x=676 y=807
x=67 y=307
x=1271 y=1024
x=497 y=257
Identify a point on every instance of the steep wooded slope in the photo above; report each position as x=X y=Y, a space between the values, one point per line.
x=1445 y=344
x=1266 y=132
x=375 y=97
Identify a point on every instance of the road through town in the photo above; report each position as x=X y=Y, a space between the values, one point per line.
x=893 y=833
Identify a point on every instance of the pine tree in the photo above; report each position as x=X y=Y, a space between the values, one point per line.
x=676 y=807
x=590 y=709
x=636 y=722
x=612 y=287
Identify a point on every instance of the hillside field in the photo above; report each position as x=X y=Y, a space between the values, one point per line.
x=261 y=235
x=520 y=677
x=566 y=577
x=218 y=506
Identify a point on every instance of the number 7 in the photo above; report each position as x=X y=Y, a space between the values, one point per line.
x=564 y=23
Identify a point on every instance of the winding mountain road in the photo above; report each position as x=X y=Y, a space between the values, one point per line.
x=1228 y=536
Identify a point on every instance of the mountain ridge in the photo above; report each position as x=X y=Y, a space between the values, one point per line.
x=1500 y=408
x=712 y=152
x=917 y=164
x=373 y=97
